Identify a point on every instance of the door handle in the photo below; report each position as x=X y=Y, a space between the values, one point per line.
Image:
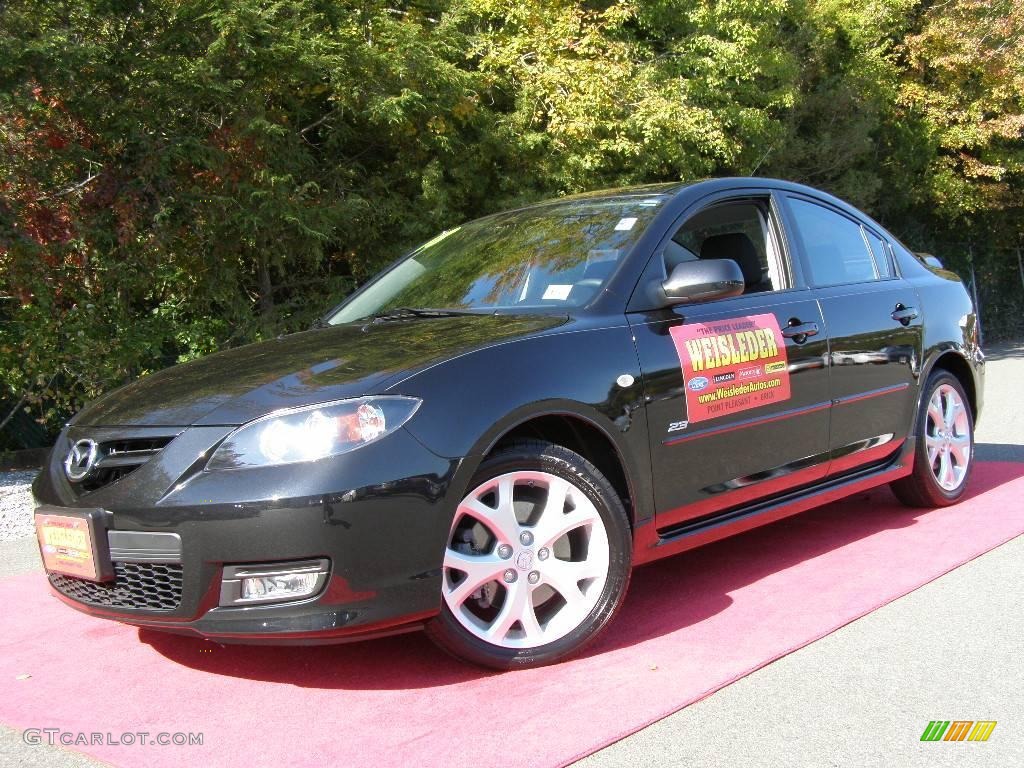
x=904 y=314
x=800 y=332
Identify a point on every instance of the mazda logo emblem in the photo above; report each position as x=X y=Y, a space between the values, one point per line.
x=81 y=459
x=524 y=561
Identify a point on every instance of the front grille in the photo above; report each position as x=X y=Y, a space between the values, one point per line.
x=117 y=458
x=146 y=586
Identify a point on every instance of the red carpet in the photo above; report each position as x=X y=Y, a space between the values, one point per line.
x=691 y=625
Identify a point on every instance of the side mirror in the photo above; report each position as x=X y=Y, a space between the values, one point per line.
x=700 y=280
x=931 y=261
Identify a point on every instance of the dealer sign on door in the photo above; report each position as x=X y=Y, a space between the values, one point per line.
x=731 y=365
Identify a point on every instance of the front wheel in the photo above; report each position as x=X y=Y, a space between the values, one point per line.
x=537 y=561
x=945 y=446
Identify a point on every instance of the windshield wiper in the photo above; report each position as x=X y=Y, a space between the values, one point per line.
x=397 y=313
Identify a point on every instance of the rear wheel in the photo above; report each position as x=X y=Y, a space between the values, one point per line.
x=945 y=446
x=537 y=562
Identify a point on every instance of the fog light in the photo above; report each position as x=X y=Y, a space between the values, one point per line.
x=262 y=583
x=273 y=587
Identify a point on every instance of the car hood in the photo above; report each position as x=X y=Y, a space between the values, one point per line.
x=238 y=385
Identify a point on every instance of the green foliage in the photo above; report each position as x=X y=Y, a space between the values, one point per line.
x=965 y=82
x=178 y=176
x=182 y=176
x=615 y=93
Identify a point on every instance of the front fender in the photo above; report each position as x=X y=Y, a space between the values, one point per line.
x=471 y=401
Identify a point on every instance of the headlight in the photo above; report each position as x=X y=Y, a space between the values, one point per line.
x=313 y=432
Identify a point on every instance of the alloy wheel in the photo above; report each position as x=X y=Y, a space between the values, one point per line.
x=947 y=437
x=527 y=559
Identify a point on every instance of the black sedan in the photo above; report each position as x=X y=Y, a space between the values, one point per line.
x=488 y=436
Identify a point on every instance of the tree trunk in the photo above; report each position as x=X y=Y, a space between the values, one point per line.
x=266 y=300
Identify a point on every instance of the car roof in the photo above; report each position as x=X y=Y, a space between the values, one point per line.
x=695 y=189
x=669 y=189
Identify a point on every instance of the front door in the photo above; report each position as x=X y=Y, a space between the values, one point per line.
x=737 y=389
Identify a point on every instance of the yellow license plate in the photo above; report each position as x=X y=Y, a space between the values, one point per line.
x=67 y=538
x=66 y=545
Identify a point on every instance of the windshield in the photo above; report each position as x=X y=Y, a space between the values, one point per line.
x=557 y=255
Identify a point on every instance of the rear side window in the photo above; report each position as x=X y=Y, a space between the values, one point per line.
x=837 y=251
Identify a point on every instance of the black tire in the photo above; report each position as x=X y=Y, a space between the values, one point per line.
x=921 y=488
x=534 y=455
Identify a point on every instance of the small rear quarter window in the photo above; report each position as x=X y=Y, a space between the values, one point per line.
x=880 y=250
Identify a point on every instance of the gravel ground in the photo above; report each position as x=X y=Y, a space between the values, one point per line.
x=16 y=504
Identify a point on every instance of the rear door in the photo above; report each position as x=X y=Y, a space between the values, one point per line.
x=874 y=328
x=736 y=389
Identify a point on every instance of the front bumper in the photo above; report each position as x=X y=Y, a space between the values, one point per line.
x=379 y=515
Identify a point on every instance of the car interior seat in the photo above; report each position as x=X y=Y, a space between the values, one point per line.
x=738 y=247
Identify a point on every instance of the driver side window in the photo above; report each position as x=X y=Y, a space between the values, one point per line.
x=737 y=230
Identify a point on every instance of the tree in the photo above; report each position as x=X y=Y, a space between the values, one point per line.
x=178 y=176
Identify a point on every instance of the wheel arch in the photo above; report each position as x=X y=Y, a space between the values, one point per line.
x=954 y=362
x=578 y=433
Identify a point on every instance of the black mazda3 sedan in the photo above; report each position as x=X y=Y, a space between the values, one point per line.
x=488 y=436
